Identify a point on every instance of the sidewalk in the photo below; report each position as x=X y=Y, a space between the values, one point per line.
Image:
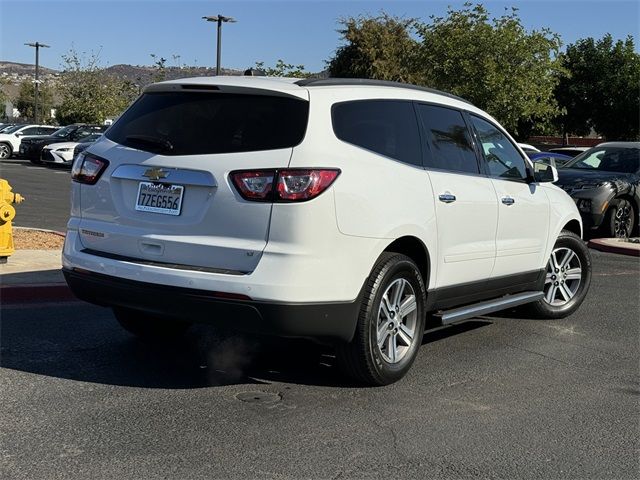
x=616 y=245
x=33 y=275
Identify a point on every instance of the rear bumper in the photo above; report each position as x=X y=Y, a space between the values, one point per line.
x=325 y=321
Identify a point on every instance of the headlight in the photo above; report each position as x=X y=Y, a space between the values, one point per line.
x=66 y=149
x=584 y=204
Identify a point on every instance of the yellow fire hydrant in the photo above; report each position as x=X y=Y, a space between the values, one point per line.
x=7 y=213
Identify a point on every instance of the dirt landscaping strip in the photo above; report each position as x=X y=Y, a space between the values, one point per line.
x=32 y=239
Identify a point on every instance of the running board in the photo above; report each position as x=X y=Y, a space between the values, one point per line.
x=489 y=306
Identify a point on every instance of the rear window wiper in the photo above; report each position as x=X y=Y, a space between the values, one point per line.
x=158 y=144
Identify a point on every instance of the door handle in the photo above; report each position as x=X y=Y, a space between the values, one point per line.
x=447 y=197
x=508 y=200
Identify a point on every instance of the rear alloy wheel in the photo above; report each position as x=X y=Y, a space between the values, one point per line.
x=621 y=219
x=148 y=326
x=5 y=151
x=567 y=280
x=390 y=324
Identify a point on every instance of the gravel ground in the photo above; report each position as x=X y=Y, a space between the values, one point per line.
x=36 y=240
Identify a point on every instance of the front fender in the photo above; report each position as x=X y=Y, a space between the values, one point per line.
x=562 y=211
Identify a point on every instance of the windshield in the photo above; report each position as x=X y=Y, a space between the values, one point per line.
x=608 y=159
x=196 y=123
x=64 y=131
x=12 y=129
x=91 y=138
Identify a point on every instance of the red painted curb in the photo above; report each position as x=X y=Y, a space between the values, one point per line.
x=605 y=247
x=35 y=293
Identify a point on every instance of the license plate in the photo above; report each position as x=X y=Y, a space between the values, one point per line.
x=159 y=198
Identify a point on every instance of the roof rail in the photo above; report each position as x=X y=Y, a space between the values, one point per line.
x=326 y=82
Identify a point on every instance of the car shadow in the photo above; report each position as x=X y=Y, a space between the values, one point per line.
x=441 y=333
x=88 y=347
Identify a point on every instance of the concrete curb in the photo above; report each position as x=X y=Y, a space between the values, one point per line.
x=614 y=246
x=35 y=293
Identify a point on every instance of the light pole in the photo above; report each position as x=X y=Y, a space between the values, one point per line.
x=37 y=46
x=219 y=19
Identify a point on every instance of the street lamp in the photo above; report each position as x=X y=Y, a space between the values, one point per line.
x=219 y=19
x=37 y=46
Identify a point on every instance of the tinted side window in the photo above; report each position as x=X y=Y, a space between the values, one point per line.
x=46 y=130
x=30 y=131
x=501 y=156
x=448 y=139
x=383 y=126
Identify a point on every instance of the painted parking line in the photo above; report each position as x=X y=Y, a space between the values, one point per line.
x=62 y=173
x=36 y=168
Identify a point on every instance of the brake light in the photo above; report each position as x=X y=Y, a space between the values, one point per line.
x=87 y=168
x=291 y=185
x=300 y=185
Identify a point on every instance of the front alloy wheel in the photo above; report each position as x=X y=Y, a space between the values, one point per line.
x=564 y=273
x=5 y=151
x=567 y=279
x=622 y=219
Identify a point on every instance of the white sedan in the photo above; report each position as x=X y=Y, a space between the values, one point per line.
x=63 y=152
x=58 y=152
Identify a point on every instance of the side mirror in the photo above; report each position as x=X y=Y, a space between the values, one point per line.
x=544 y=173
x=19 y=134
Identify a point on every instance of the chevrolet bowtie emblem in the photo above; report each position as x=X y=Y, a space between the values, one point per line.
x=155 y=174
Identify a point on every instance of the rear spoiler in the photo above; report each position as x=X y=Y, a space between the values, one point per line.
x=261 y=88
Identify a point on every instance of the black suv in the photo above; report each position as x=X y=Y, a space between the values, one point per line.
x=31 y=148
x=605 y=184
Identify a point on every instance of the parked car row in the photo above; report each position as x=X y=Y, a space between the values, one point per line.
x=44 y=143
x=604 y=181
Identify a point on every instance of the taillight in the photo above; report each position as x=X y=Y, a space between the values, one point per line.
x=87 y=168
x=254 y=184
x=291 y=185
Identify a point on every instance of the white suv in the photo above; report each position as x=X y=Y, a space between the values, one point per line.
x=340 y=210
x=11 y=137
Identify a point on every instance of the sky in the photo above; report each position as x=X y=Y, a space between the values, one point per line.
x=299 y=32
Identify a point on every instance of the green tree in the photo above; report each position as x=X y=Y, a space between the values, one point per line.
x=380 y=47
x=3 y=98
x=602 y=89
x=88 y=93
x=159 y=68
x=495 y=64
x=283 y=69
x=25 y=99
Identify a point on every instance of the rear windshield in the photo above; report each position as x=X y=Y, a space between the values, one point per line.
x=196 y=123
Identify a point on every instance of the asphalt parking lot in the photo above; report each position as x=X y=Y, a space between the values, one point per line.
x=495 y=397
x=46 y=190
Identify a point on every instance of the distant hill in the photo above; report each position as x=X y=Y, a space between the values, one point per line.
x=144 y=74
x=140 y=74
x=23 y=69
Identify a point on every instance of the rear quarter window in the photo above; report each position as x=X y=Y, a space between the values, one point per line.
x=196 y=123
x=387 y=127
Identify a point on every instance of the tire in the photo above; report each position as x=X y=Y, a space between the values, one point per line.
x=620 y=219
x=375 y=363
x=148 y=326
x=567 y=280
x=5 y=151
